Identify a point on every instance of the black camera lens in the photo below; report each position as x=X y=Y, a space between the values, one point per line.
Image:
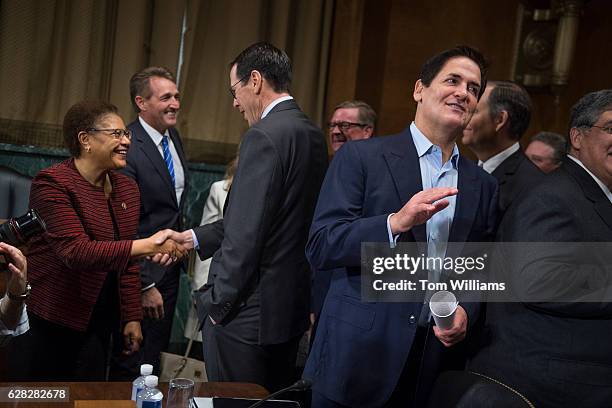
x=17 y=231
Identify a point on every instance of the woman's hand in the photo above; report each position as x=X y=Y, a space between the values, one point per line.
x=132 y=337
x=161 y=247
x=168 y=250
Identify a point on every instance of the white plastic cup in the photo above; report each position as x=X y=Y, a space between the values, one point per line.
x=443 y=305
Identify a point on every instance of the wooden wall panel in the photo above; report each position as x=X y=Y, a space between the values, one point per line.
x=344 y=59
x=416 y=30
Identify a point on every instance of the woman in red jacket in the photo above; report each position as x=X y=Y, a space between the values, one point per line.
x=84 y=271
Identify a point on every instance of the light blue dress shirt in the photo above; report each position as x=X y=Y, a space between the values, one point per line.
x=434 y=173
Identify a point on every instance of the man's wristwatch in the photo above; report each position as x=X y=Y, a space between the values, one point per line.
x=23 y=296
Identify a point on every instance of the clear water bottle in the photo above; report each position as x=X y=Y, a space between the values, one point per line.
x=138 y=384
x=150 y=396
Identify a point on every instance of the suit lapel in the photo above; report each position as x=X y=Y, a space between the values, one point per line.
x=508 y=167
x=466 y=206
x=592 y=191
x=604 y=209
x=146 y=145
x=403 y=162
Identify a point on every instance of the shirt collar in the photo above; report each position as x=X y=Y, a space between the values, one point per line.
x=423 y=144
x=152 y=132
x=274 y=103
x=492 y=163
x=604 y=188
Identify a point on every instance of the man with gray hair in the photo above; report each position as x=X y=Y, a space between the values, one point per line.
x=546 y=150
x=351 y=120
x=559 y=353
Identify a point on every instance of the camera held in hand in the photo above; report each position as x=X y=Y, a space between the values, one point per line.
x=18 y=230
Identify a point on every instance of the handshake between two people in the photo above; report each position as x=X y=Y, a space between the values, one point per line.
x=166 y=247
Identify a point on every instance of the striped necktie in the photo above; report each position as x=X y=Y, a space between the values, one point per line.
x=168 y=158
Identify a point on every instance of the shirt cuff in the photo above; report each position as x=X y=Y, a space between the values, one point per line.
x=196 y=244
x=147 y=287
x=392 y=238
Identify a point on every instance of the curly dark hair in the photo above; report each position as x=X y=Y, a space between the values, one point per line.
x=80 y=117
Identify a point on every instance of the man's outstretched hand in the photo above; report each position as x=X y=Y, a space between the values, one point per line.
x=184 y=240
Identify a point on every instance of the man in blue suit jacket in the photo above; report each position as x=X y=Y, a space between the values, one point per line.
x=163 y=191
x=375 y=354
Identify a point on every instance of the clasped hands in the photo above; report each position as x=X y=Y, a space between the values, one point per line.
x=170 y=246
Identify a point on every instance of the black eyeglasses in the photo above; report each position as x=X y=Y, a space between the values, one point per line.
x=607 y=129
x=344 y=126
x=232 y=90
x=116 y=133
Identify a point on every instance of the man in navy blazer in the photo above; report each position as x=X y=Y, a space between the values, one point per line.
x=156 y=161
x=374 y=354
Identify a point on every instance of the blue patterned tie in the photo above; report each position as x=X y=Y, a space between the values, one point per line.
x=168 y=158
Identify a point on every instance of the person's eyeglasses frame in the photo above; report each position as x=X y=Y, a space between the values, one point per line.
x=606 y=129
x=115 y=133
x=232 y=89
x=344 y=126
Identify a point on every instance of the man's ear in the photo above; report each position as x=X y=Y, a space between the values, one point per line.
x=140 y=102
x=257 y=80
x=502 y=119
x=418 y=91
x=575 y=138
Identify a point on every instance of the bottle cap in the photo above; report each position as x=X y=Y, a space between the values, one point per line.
x=146 y=369
x=151 y=381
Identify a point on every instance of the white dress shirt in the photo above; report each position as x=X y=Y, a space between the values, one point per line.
x=179 y=173
x=274 y=103
x=22 y=327
x=491 y=164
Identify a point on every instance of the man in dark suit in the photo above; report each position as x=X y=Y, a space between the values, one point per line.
x=371 y=354
x=559 y=354
x=501 y=118
x=256 y=301
x=157 y=162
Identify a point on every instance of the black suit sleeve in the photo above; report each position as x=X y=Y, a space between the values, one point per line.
x=547 y=276
x=255 y=198
x=209 y=238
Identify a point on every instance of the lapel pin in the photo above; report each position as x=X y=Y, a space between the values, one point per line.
x=124 y=206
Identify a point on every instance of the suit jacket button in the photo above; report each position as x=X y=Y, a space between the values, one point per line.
x=412 y=319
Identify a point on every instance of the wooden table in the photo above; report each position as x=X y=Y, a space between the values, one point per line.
x=123 y=391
